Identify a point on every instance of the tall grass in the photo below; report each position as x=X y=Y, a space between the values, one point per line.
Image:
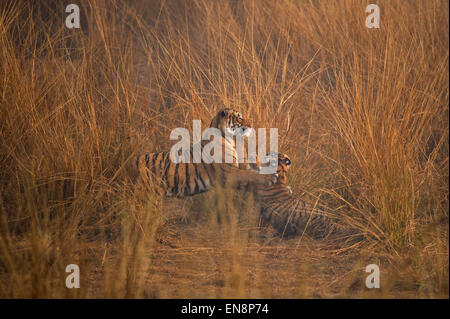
x=363 y=114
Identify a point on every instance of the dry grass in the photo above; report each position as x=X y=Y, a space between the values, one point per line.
x=363 y=113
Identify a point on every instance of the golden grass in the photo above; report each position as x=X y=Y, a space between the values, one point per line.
x=363 y=114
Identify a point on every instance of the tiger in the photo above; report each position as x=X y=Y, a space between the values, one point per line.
x=188 y=179
x=288 y=215
x=231 y=122
x=284 y=162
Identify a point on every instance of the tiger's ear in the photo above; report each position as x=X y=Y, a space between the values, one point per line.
x=223 y=113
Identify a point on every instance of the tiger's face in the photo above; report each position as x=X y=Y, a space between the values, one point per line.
x=284 y=162
x=230 y=122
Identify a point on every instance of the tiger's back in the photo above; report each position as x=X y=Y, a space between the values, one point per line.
x=177 y=179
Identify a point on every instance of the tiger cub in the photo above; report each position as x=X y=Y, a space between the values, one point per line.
x=187 y=179
x=287 y=214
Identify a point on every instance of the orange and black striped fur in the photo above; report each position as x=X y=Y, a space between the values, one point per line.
x=287 y=214
x=187 y=179
x=231 y=119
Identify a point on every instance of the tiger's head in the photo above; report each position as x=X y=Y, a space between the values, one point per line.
x=284 y=162
x=230 y=121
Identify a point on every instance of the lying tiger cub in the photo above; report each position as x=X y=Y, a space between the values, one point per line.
x=288 y=215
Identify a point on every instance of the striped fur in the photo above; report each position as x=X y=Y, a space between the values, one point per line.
x=187 y=179
x=231 y=119
x=287 y=214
